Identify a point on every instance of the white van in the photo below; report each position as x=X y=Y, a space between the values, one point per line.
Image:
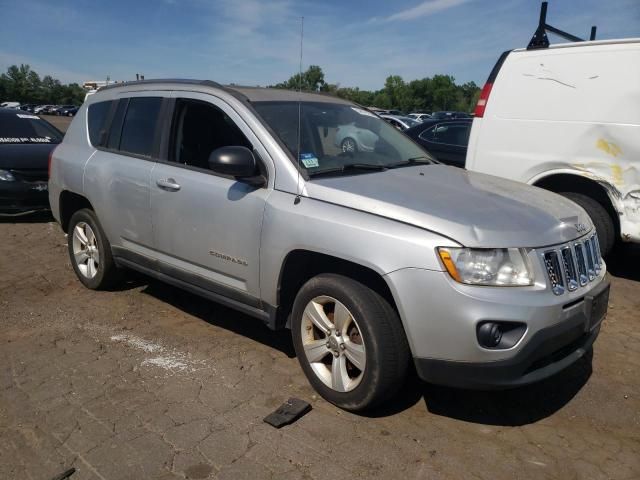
x=567 y=118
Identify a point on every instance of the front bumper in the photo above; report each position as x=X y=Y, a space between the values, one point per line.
x=21 y=197
x=440 y=318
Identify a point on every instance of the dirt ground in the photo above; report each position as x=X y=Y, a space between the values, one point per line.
x=148 y=381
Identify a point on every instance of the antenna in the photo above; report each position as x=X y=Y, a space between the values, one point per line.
x=297 y=199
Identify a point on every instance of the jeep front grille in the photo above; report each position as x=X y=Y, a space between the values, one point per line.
x=573 y=265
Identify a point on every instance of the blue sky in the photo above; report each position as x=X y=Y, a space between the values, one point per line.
x=252 y=42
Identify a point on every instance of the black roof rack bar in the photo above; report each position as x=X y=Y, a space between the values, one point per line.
x=540 y=39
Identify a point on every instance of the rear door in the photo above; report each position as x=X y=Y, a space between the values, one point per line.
x=117 y=176
x=206 y=225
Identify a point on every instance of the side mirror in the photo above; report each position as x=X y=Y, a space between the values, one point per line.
x=238 y=162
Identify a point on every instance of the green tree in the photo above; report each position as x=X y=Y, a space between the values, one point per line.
x=21 y=84
x=439 y=92
x=312 y=80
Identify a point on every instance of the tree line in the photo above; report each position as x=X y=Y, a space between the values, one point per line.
x=24 y=85
x=428 y=94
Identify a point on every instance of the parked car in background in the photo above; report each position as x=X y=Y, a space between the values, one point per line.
x=27 y=107
x=401 y=123
x=63 y=110
x=67 y=110
x=421 y=117
x=40 y=109
x=50 y=109
x=446 y=140
x=377 y=261
x=14 y=105
x=566 y=118
x=26 y=141
x=355 y=138
x=446 y=115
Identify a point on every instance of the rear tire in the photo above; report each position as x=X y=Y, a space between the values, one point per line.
x=90 y=251
x=603 y=222
x=367 y=361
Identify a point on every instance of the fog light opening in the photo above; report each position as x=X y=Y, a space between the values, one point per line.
x=499 y=335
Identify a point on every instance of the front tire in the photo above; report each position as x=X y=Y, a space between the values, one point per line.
x=90 y=251
x=349 y=341
x=601 y=219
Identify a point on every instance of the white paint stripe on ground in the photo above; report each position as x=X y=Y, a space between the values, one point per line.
x=168 y=360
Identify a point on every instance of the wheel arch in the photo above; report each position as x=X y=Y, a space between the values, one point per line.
x=597 y=188
x=69 y=204
x=300 y=265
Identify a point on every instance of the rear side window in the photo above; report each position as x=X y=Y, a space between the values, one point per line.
x=97 y=118
x=139 y=127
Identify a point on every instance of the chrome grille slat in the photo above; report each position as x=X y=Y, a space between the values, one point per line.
x=569 y=265
x=591 y=268
x=582 y=264
x=572 y=266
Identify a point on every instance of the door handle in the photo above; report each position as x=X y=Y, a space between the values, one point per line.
x=169 y=184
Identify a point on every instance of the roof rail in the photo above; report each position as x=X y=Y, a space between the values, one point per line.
x=208 y=83
x=540 y=39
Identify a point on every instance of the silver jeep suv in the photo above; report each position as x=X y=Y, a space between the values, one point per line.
x=372 y=258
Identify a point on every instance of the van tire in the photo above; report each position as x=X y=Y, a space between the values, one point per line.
x=380 y=331
x=600 y=217
x=106 y=275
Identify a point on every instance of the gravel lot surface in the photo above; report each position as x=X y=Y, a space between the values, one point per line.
x=151 y=382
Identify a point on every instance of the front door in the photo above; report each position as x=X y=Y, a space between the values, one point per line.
x=207 y=226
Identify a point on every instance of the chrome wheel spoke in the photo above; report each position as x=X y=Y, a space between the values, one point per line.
x=355 y=354
x=91 y=268
x=91 y=238
x=78 y=233
x=81 y=257
x=339 y=376
x=341 y=317
x=315 y=312
x=316 y=350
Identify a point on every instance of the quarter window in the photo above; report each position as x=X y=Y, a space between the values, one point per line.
x=139 y=127
x=97 y=122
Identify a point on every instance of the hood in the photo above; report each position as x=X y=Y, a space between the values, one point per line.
x=25 y=155
x=474 y=209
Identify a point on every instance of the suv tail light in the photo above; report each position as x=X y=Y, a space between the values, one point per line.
x=482 y=101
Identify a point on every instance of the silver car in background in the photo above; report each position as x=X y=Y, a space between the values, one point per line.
x=373 y=257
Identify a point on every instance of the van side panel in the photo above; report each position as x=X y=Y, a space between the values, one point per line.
x=567 y=109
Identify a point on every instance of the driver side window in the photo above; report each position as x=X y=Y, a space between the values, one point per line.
x=198 y=129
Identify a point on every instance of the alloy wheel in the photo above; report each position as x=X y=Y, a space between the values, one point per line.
x=333 y=343
x=85 y=250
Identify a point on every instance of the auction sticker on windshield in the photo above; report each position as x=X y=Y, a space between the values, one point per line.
x=309 y=160
x=33 y=117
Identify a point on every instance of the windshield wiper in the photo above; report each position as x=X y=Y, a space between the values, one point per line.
x=414 y=161
x=348 y=167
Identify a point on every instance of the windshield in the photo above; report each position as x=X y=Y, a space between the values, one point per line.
x=24 y=128
x=338 y=137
